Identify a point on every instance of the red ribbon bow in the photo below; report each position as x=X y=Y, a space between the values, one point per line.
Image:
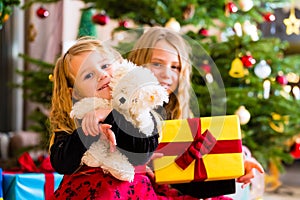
x=27 y=165
x=202 y=144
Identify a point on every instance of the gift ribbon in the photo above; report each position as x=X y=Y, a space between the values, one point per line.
x=27 y=165
x=201 y=145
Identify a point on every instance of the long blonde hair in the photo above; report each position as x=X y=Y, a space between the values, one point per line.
x=63 y=82
x=178 y=106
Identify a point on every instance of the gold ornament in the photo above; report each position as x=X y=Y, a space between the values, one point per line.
x=173 y=24
x=279 y=127
x=32 y=33
x=237 y=69
x=50 y=77
x=292 y=23
x=292 y=77
x=5 y=18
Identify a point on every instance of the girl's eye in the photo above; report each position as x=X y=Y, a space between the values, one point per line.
x=88 y=76
x=105 y=66
x=175 y=68
x=161 y=66
x=156 y=65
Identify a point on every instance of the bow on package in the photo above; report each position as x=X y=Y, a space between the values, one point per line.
x=202 y=145
x=27 y=164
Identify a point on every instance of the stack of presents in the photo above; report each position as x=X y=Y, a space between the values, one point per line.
x=206 y=149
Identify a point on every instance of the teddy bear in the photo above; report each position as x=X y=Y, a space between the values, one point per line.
x=135 y=94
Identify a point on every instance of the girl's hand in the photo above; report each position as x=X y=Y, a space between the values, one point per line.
x=149 y=171
x=109 y=135
x=91 y=125
x=249 y=164
x=91 y=120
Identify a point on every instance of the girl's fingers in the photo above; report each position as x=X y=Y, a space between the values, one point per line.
x=112 y=147
x=110 y=135
x=156 y=155
x=90 y=125
x=253 y=164
x=246 y=178
x=93 y=125
x=112 y=140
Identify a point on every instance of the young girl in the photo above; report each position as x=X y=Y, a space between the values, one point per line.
x=85 y=71
x=166 y=53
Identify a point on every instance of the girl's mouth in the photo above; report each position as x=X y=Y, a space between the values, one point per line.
x=104 y=86
x=165 y=85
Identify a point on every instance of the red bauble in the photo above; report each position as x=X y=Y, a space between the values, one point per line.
x=101 y=19
x=206 y=68
x=248 y=61
x=269 y=17
x=124 y=23
x=295 y=149
x=232 y=7
x=203 y=32
x=42 y=12
x=282 y=80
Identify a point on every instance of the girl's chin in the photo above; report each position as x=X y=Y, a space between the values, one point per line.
x=108 y=97
x=104 y=93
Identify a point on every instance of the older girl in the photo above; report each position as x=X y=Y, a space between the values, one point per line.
x=167 y=54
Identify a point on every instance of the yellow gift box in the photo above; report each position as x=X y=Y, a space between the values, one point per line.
x=200 y=149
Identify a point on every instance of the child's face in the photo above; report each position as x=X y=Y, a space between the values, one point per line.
x=165 y=65
x=93 y=73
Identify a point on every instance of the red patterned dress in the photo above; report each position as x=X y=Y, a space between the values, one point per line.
x=93 y=184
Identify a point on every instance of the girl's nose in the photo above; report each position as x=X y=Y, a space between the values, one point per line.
x=166 y=70
x=102 y=75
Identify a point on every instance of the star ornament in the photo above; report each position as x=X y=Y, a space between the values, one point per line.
x=292 y=23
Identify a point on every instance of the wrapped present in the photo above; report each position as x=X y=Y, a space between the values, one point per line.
x=38 y=186
x=30 y=181
x=1 y=192
x=200 y=149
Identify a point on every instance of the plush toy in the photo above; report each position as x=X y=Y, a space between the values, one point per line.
x=135 y=93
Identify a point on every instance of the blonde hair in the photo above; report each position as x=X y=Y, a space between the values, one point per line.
x=178 y=106
x=63 y=82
